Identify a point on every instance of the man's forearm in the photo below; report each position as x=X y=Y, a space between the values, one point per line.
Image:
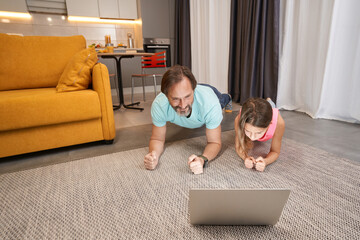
x=157 y=146
x=211 y=150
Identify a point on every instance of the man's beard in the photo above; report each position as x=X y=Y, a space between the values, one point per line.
x=185 y=113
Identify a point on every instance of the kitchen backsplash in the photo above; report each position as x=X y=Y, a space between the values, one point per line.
x=57 y=25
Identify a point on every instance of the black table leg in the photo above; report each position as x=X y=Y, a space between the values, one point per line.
x=121 y=93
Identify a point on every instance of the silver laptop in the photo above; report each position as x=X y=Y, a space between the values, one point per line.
x=236 y=206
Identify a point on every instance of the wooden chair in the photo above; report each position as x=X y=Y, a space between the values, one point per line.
x=158 y=60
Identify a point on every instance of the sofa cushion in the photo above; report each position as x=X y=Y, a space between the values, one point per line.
x=77 y=73
x=44 y=106
x=39 y=59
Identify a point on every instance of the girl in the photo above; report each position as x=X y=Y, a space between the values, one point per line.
x=258 y=121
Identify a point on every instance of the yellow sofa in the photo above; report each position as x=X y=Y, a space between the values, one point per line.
x=33 y=115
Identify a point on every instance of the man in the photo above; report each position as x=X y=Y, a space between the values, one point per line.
x=184 y=103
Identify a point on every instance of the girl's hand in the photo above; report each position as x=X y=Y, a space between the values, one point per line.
x=249 y=162
x=260 y=164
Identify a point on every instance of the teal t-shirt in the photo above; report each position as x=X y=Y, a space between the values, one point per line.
x=206 y=110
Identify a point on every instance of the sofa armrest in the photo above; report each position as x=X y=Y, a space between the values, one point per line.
x=101 y=84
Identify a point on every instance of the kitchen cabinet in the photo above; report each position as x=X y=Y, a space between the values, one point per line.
x=108 y=8
x=115 y=9
x=14 y=6
x=128 y=9
x=118 y=9
x=82 y=8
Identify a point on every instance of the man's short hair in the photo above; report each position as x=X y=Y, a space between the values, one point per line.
x=174 y=75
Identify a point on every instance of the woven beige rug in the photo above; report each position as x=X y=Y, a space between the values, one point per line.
x=114 y=197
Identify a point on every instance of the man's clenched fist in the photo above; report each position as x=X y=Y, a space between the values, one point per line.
x=196 y=164
x=151 y=160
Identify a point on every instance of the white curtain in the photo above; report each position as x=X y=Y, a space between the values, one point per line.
x=210 y=32
x=319 y=71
